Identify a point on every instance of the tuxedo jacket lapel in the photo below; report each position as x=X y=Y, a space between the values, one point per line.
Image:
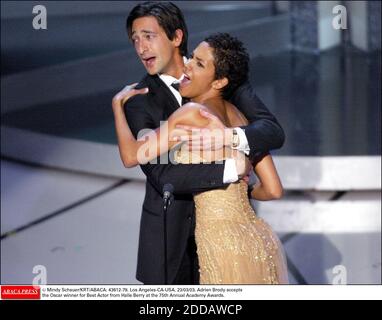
x=162 y=99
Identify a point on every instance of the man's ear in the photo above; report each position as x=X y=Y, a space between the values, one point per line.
x=178 y=37
x=220 y=83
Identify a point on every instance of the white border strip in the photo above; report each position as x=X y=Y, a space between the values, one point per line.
x=249 y=292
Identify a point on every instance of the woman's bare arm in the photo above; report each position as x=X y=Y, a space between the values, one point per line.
x=269 y=186
x=126 y=142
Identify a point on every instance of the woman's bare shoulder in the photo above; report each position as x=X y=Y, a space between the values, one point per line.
x=224 y=110
x=189 y=113
x=192 y=106
x=236 y=117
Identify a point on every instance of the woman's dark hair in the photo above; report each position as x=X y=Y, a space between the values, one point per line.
x=168 y=15
x=231 y=60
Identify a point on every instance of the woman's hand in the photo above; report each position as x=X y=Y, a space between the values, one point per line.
x=125 y=94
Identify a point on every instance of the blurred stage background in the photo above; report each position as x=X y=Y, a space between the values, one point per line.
x=67 y=202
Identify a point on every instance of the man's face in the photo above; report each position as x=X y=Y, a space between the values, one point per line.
x=152 y=45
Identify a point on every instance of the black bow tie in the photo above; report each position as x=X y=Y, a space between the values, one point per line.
x=175 y=85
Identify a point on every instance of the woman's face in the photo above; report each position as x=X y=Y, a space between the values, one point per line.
x=199 y=73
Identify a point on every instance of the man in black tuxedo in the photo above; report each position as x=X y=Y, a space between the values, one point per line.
x=159 y=35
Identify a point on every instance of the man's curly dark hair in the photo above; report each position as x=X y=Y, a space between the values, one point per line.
x=231 y=60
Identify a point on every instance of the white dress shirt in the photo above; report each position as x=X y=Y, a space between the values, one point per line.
x=230 y=172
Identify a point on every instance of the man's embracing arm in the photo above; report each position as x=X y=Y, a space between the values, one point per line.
x=263 y=133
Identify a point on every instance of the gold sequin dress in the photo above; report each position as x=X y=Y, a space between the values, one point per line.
x=234 y=246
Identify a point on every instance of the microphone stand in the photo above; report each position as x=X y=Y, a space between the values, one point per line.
x=166 y=203
x=165 y=206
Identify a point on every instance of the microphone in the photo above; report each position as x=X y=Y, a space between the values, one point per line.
x=167 y=193
x=168 y=189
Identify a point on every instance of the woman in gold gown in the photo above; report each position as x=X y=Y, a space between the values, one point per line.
x=234 y=246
